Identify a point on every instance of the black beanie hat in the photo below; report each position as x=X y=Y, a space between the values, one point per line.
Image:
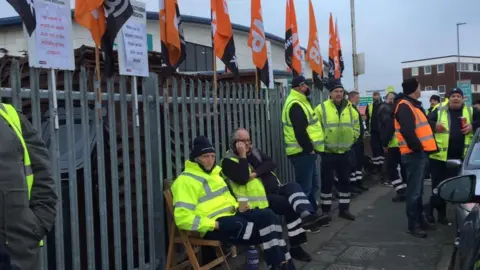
x=201 y=145
x=409 y=86
x=456 y=91
x=297 y=81
x=435 y=97
x=336 y=84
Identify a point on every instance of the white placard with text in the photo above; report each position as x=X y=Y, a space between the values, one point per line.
x=51 y=44
x=132 y=43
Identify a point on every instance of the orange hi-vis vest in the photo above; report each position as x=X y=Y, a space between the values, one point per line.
x=422 y=130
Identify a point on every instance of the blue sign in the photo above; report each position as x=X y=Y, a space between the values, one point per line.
x=466 y=86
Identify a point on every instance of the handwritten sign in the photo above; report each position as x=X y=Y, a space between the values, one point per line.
x=51 y=45
x=132 y=43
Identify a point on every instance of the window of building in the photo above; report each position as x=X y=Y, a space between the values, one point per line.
x=415 y=71
x=476 y=88
x=199 y=58
x=441 y=89
x=427 y=70
x=476 y=67
x=428 y=88
x=441 y=68
x=463 y=67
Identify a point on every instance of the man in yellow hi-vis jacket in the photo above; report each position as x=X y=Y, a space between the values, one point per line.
x=27 y=190
x=203 y=203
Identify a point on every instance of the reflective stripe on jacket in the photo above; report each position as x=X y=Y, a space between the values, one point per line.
x=341 y=130
x=422 y=130
x=253 y=191
x=200 y=198
x=314 y=128
x=442 y=138
x=9 y=113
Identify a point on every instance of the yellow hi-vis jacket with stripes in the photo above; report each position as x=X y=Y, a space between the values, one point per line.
x=341 y=129
x=253 y=191
x=314 y=128
x=199 y=198
x=9 y=113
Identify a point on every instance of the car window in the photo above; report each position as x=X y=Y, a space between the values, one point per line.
x=473 y=156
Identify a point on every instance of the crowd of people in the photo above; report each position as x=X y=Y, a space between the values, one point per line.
x=239 y=200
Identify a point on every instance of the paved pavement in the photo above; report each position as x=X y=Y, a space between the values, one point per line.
x=376 y=240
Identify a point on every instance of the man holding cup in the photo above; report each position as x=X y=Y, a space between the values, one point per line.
x=454 y=126
x=203 y=203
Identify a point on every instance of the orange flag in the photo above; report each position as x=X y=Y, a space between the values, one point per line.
x=334 y=67
x=314 y=56
x=293 y=52
x=90 y=14
x=257 y=41
x=171 y=33
x=223 y=43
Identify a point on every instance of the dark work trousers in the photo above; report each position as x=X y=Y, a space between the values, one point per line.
x=439 y=173
x=254 y=227
x=339 y=164
x=357 y=166
x=292 y=203
x=377 y=149
x=394 y=161
x=306 y=176
x=415 y=167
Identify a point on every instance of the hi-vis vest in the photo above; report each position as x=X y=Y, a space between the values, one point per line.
x=200 y=198
x=341 y=130
x=442 y=138
x=9 y=113
x=434 y=108
x=422 y=130
x=314 y=128
x=254 y=190
x=393 y=142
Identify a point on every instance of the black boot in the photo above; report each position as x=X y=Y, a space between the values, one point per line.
x=361 y=186
x=345 y=214
x=427 y=226
x=399 y=198
x=417 y=232
x=356 y=189
x=313 y=223
x=298 y=253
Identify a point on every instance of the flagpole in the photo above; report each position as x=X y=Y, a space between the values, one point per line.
x=98 y=82
x=54 y=97
x=215 y=101
x=257 y=88
x=135 y=100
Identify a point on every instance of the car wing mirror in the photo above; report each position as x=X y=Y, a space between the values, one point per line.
x=460 y=189
x=454 y=163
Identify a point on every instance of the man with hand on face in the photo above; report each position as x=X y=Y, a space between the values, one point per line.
x=303 y=137
x=341 y=125
x=203 y=203
x=454 y=126
x=250 y=175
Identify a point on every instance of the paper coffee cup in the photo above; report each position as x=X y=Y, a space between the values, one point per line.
x=242 y=202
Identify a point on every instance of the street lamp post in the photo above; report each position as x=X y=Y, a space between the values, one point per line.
x=354 y=45
x=459 y=68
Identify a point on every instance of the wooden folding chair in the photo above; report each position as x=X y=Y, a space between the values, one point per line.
x=190 y=240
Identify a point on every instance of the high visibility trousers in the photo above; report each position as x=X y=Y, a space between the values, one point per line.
x=377 y=149
x=255 y=227
x=357 y=167
x=341 y=165
x=393 y=162
x=293 y=204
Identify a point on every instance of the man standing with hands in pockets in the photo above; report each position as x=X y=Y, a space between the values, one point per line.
x=303 y=137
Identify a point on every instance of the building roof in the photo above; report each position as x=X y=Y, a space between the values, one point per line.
x=440 y=57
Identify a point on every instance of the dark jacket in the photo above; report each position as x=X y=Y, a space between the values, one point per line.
x=372 y=120
x=386 y=123
x=262 y=164
x=456 y=141
x=300 y=123
x=24 y=223
x=406 y=119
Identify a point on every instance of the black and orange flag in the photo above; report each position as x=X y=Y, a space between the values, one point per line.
x=90 y=14
x=258 y=43
x=293 y=52
x=223 y=44
x=314 y=56
x=333 y=61
x=339 y=46
x=171 y=34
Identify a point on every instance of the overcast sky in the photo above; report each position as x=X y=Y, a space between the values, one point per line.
x=388 y=31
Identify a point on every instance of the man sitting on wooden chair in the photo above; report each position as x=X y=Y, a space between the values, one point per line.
x=203 y=203
x=250 y=174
